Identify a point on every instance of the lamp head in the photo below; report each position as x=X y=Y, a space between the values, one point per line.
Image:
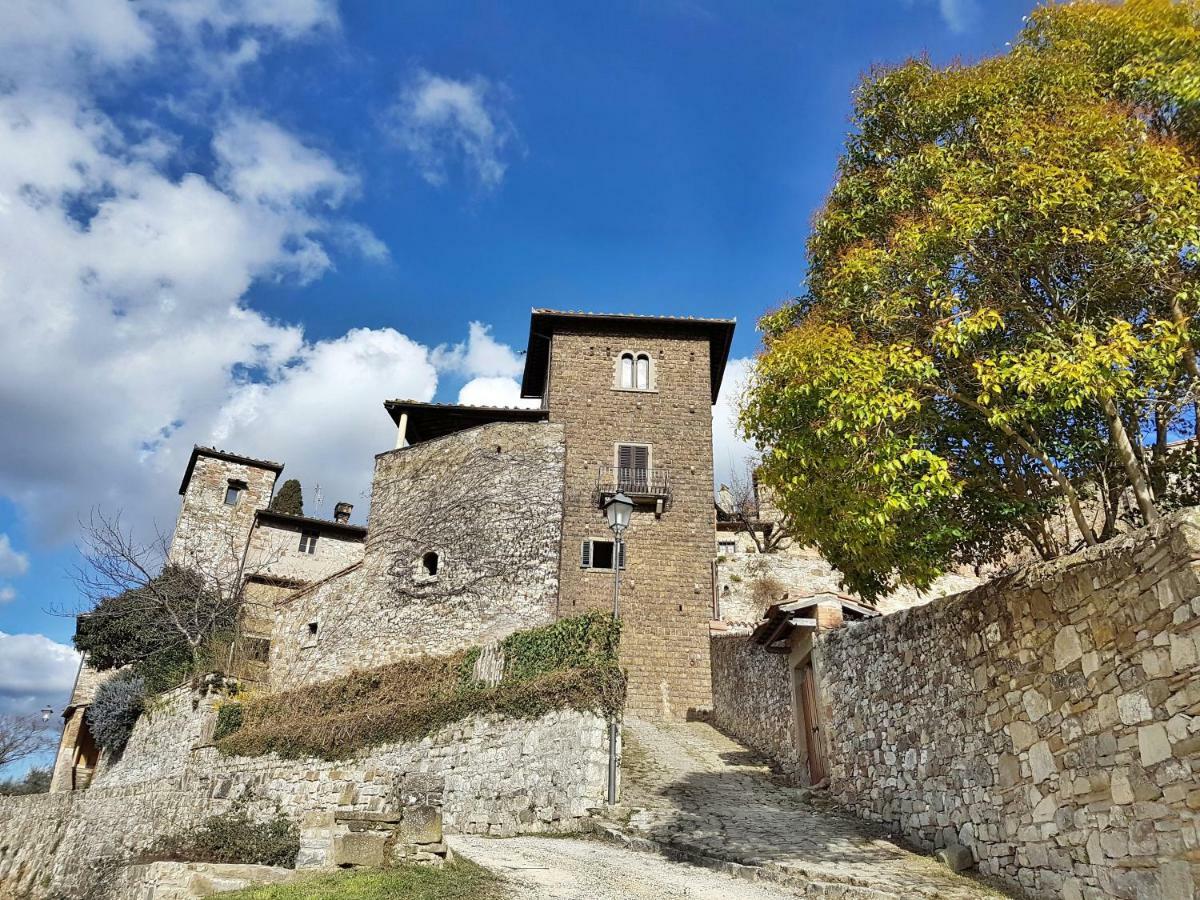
x=618 y=509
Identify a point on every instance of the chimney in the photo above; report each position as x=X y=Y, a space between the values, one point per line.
x=341 y=512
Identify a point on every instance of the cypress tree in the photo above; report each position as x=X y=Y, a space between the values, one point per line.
x=289 y=500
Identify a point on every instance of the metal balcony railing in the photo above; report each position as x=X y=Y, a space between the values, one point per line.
x=634 y=482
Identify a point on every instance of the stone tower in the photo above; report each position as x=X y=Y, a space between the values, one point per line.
x=635 y=396
x=221 y=492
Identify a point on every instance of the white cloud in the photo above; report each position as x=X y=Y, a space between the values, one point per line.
x=7 y=594
x=494 y=391
x=261 y=162
x=12 y=562
x=480 y=356
x=34 y=671
x=323 y=415
x=959 y=15
x=442 y=122
x=731 y=453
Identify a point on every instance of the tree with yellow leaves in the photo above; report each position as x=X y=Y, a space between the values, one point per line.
x=1001 y=310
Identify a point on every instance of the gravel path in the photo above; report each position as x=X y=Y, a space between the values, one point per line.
x=566 y=869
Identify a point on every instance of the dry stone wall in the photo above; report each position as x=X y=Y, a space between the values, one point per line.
x=488 y=503
x=498 y=777
x=1049 y=722
x=752 y=699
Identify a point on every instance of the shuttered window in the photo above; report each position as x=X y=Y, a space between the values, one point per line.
x=633 y=468
x=599 y=555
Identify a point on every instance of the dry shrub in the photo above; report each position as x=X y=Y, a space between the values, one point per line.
x=767 y=590
x=568 y=665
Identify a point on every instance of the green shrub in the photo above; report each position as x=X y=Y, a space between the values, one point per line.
x=115 y=709
x=232 y=838
x=568 y=665
x=36 y=781
x=588 y=640
x=229 y=720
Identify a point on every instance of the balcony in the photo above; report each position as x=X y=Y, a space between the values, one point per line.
x=640 y=485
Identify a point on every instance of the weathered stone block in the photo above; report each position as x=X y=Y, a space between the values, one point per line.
x=956 y=858
x=361 y=848
x=421 y=825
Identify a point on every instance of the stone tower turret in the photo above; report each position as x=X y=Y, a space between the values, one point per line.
x=221 y=492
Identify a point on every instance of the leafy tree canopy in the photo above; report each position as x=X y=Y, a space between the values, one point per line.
x=1001 y=308
x=289 y=499
x=145 y=627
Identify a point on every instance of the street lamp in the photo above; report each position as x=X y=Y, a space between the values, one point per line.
x=618 y=509
x=46 y=711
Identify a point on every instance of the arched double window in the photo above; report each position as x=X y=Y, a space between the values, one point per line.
x=633 y=373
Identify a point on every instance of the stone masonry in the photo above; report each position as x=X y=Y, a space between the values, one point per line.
x=211 y=535
x=666 y=589
x=486 y=501
x=497 y=777
x=1049 y=722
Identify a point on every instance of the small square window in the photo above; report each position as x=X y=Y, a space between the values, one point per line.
x=599 y=555
x=726 y=548
x=309 y=635
x=308 y=542
x=233 y=492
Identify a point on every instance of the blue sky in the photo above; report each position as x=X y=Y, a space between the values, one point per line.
x=249 y=223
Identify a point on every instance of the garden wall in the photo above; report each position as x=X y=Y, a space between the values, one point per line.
x=1048 y=721
x=498 y=777
x=752 y=700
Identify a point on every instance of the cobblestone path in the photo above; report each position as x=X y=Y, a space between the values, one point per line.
x=689 y=788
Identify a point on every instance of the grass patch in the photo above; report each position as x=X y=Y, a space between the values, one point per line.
x=571 y=664
x=459 y=880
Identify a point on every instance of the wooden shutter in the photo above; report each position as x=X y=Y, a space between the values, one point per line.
x=625 y=456
x=585 y=554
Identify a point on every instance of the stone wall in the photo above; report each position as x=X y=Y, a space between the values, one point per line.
x=498 y=777
x=752 y=700
x=488 y=502
x=1048 y=721
x=666 y=590
x=162 y=740
x=274 y=550
x=209 y=535
x=800 y=572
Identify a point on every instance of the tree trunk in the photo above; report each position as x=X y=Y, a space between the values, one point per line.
x=1128 y=459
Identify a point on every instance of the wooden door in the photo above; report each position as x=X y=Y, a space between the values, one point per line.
x=810 y=723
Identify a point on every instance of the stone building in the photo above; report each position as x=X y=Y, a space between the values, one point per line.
x=634 y=395
x=484 y=521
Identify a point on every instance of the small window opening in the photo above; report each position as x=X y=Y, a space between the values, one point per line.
x=308 y=542
x=310 y=635
x=429 y=563
x=259 y=649
x=726 y=548
x=233 y=492
x=599 y=555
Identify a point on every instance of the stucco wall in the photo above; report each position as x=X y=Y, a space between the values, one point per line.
x=488 y=501
x=1049 y=721
x=500 y=777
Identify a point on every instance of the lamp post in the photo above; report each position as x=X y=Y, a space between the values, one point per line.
x=46 y=712
x=618 y=509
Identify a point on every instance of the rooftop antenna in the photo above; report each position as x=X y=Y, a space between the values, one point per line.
x=319 y=498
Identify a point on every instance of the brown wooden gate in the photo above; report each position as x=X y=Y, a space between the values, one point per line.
x=810 y=722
